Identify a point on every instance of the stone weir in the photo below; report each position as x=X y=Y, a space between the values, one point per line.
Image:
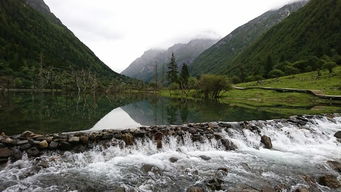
x=13 y=147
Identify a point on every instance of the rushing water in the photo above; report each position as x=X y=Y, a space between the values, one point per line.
x=47 y=113
x=298 y=156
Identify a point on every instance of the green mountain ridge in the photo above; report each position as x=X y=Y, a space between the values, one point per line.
x=32 y=38
x=305 y=36
x=218 y=57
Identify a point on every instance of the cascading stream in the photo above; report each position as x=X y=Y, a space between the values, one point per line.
x=298 y=156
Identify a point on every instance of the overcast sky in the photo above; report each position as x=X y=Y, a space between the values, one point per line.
x=119 y=31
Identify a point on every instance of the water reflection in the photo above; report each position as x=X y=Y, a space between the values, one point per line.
x=47 y=113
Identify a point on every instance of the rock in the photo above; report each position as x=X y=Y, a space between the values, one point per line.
x=149 y=168
x=17 y=154
x=8 y=141
x=27 y=134
x=266 y=141
x=197 y=137
x=33 y=152
x=223 y=169
x=335 y=165
x=215 y=184
x=338 y=135
x=22 y=142
x=43 y=144
x=329 y=181
x=158 y=136
x=73 y=140
x=229 y=145
x=53 y=145
x=25 y=146
x=128 y=138
x=84 y=139
x=173 y=159
x=159 y=144
x=204 y=157
x=5 y=152
x=65 y=145
x=195 y=189
x=267 y=189
x=301 y=189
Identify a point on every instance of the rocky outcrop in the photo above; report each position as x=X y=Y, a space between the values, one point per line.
x=329 y=181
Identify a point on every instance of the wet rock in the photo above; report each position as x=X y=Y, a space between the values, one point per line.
x=84 y=139
x=329 y=181
x=215 y=184
x=158 y=136
x=267 y=189
x=22 y=142
x=302 y=189
x=43 y=144
x=128 y=138
x=229 y=145
x=223 y=169
x=197 y=137
x=17 y=154
x=25 y=146
x=73 y=140
x=150 y=168
x=335 y=165
x=65 y=145
x=173 y=159
x=204 y=157
x=33 y=152
x=338 y=135
x=53 y=145
x=266 y=141
x=5 y=152
x=195 y=189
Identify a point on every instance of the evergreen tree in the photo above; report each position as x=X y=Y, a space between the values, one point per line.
x=184 y=75
x=268 y=65
x=172 y=73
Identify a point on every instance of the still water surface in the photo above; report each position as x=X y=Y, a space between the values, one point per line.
x=47 y=113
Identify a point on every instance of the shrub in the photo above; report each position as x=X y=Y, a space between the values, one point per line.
x=276 y=73
x=212 y=85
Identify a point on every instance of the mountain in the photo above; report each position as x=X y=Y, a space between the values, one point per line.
x=295 y=44
x=34 y=42
x=218 y=57
x=144 y=68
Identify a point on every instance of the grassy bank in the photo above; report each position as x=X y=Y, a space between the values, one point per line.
x=326 y=83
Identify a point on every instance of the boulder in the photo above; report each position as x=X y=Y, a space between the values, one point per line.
x=229 y=145
x=159 y=144
x=173 y=159
x=329 y=181
x=8 y=141
x=215 y=184
x=158 y=136
x=338 y=135
x=43 y=144
x=22 y=142
x=53 y=145
x=150 y=168
x=5 y=152
x=128 y=138
x=73 y=140
x=195 y=189
x=335 y=165
x=27 y=134
x=33 y=152
x=204 y=157
x=266 y=141
x=84 y=139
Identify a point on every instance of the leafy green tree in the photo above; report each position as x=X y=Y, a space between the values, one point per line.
x=172 y=73
x=212 y=85
x=192 y=83
x=276 y=73
x=184 y=76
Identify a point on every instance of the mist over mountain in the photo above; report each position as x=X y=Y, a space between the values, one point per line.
x=144 y=68
x=217 y=58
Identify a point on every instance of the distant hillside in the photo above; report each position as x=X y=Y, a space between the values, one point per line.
x=297 y=44
x=217 y=58
x=35 y=44
x=144 y=68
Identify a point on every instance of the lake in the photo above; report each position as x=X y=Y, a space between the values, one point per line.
x=52 y=113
